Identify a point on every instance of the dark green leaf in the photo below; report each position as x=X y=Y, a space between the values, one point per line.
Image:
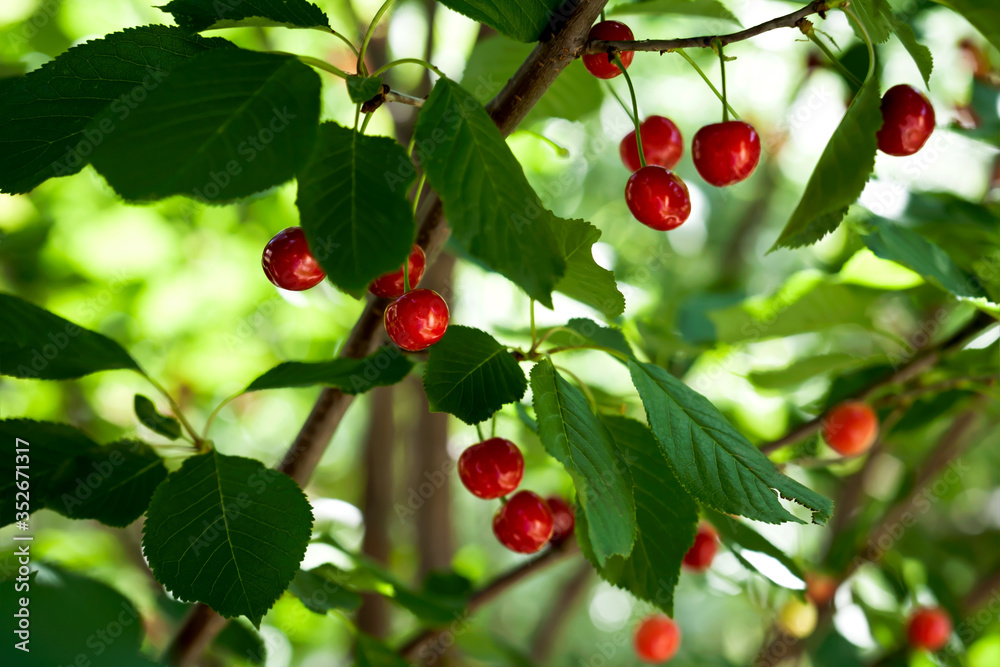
x=470 y=375
x=353 y=206
x=841 y=173
x=249 y=123
x=44 y=115
x=145 y=410
x=370 y=652
x=493 y=212
x=712 y=9
x=921 y=54
x=581 y=331
x=227 y=531
x=112 y=484
x=37 y=344
x=582 y=443
x=363 y=88
x=585 y=280
x=983 y=14
x=714 y=461
x=385 y=367
x=198 y=15
x=666 y=519
x=322 y=589
x=739 y=537
x=523 y=20
x=574 y=94
x=88 y=612
x=892 y=241
x=805 y=369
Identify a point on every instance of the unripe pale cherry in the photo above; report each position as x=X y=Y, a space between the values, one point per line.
x=907 y=121
x=850 y=428
x=524 y=523
x=658 y=198
x=491 y=468
x=929 y=628
x=662 y=144
x=657 y=639
x=563 y=518
x=701 y=554
x=416 y=320
x=726 y=153
x=288 y=263
x=599 y=64
x=392 y=285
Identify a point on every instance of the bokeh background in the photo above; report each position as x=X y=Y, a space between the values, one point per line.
x=180 y=285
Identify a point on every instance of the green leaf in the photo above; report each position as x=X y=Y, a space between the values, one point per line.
x=666 y=519
x=714 y=461
x=322 y=589
x=198 y=15
x=249 y=123
x=582 y=443
x=494 y=213
x=370 y=652
x=353 y=206
x=983 y=14
x=581 y=331
x=841 y=173
x=145 y=410
x=37 y=344
x=895 y=242
x=471 y=375
x=363 y=88
x=880 y=22
x=88 y=611
x=44 y=115
x=112 y=484
x=523 y=20
x=574 y=94
x=385 y=367
x=712 y=9
x=805 y=369
x=227 y=531
x=921 y=54
x=585 y=280
x=739 y=537
x=50 y=446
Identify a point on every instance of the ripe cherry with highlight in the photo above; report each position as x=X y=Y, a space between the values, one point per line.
x=392 y=285
x=820 y=588
x=657 y=639
x=492 y=468
x=524 y=523
x=850 y=428
x=929 y=628
x=288 y=263
x=701 y=554
x=416 y=320
x=726 y=153
x=907 y=121
x=599 y=64
x=563 y=518
x=662 y=144
x=658 y=198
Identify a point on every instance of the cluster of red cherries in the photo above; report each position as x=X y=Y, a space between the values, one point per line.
x=415 y=320
x=723 y=153
x=525 y=521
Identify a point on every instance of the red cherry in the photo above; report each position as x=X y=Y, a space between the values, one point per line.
x=491 y=469
x=524 y=523
x=658 y=198
x=288 y=263
x=907 y=121
x=390 y=285
x=662 y=144
x=929 y=628
x=563 y=518
x=598 y=64
x=416 y=320
x=726 y=153
x=701 y=554
x=657 y=639
x=820 y=588
x=850 y=428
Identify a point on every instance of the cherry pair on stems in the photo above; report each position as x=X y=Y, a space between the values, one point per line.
x=525 y=522
x=415 y=320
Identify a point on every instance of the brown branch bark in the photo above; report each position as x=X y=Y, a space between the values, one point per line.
x=982 y=593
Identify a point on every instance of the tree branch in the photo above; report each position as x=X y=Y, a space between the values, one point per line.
x=664 y=45
x=546 y=635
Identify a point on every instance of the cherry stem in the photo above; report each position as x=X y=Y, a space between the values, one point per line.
x=405 y=61
x=198 y=442
x=215 y=413
x=315 y=62
x=635 y=108
x=722 y=68
x=493 y=426
x=868 y=40
x=569 y=348
x=811 y=34
x=561 y=151
x=534 y=331
x=364 y=123
x=479 y=432
x=344 y=39
x=614 y=93
x=706 y=80
x=369 y=33
x=583 y=386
